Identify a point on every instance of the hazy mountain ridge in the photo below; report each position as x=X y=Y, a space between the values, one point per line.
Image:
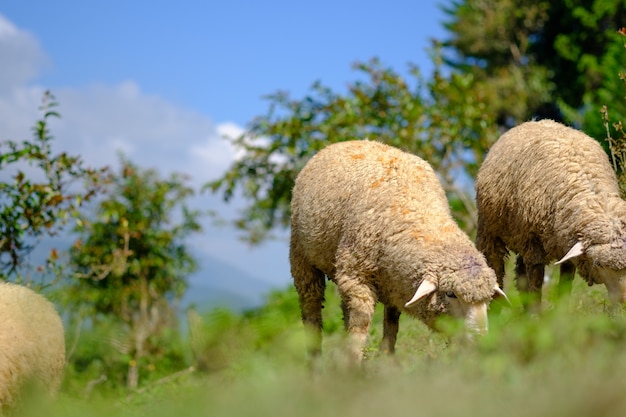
x=220 y=284
x=216 y=283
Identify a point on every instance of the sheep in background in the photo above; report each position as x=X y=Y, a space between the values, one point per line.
x=32 y=344
x=546 y=191
x=375 y=220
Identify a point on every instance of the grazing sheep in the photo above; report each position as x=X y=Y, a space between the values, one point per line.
x=32 y=344
x=375 y=220
x=546 y=191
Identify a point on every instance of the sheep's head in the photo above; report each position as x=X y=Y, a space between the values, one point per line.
x=606 y=264
x=468 y=290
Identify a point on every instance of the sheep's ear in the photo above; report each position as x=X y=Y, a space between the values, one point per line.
x=575 y=251
x=425 y=288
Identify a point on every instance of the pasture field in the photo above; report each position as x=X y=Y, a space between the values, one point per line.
x=570 y=361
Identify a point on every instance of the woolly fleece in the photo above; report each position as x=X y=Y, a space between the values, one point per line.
x=32 y=343
x=542 y=188
x=375 y=220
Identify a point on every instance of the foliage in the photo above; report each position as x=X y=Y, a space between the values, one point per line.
x=40 y=196
x=493 y=41
x=98 y=359
x=131 y=261
x=539 y=58
x=615 y=136
x=226 y=342
x=444 y=121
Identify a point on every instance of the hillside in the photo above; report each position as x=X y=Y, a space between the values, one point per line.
x=219 y=284
x=215 y=284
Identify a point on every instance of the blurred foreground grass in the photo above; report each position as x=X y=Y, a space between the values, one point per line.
x=570 y=361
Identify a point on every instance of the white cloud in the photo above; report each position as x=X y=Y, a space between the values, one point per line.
x=218 y=153
x=100 y=120
x=7 y=29
x=22 y=56
x=230 y=130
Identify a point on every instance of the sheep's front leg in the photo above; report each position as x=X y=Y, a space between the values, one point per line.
x=359 y=303
x=390 y=330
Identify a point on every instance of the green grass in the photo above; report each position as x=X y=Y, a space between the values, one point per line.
x=569 y=361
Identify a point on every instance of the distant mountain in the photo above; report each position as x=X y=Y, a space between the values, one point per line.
x=215 y=284
x=220 y=284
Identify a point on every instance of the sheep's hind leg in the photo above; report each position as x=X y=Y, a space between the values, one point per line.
x=529 y=282
x=310 y=284
x=566 y=278
x=495 y=252
x=311 y=296
x=390 y=330
x=359 y=303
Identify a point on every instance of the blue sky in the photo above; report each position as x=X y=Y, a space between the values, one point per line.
x=162 y=81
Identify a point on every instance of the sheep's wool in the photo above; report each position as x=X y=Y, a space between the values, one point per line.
x=32 y=343
x=376 y=221
x=542 y=188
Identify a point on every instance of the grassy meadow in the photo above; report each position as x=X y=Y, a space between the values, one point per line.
x=569 y=361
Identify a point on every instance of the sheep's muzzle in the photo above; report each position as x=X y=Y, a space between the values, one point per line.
x=476 y=320
x=615 y=282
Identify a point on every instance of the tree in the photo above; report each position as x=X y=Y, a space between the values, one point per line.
x=40 y=195
x=444 y=121
x=556 y=59
x=131 y=261
x=615 y=133
x=492 y=41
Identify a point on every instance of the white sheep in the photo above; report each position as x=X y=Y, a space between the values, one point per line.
x=546 y=191
x=375 y=220
x=32 y=352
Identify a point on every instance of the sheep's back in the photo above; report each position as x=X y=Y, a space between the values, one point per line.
x=539 y=176
x=363 y=190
